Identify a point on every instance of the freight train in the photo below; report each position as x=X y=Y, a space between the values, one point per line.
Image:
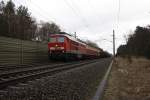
x=67 y=47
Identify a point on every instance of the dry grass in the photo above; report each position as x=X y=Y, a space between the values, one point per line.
x=129 y=80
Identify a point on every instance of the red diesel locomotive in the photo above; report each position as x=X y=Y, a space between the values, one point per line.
x=67 y=47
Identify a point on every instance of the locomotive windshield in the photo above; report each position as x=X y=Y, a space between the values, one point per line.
x=60 y=39
x=56 y=39
x=52 y=39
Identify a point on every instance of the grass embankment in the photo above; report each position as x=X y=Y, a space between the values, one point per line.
x=129 y=80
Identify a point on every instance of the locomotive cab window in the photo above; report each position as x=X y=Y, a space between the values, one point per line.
x=52 y=39
x=61 y=39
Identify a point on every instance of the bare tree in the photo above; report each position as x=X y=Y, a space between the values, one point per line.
x=48 y=28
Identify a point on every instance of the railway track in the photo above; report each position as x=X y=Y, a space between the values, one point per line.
x=11 y=78
x=21 y=66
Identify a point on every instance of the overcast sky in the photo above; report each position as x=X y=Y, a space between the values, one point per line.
x=92 y=19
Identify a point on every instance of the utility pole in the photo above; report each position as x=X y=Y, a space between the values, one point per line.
x=114 y=43
x=75 y=34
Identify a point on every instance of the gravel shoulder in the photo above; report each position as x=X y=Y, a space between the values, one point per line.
x=129 y=80
x=76 y=84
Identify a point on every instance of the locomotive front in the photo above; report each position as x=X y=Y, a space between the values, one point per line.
x=56 y=46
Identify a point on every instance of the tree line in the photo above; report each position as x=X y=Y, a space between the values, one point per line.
x=18 y=23
x=138 y=43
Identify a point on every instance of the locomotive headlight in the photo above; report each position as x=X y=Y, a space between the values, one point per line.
x=52 y=48
x=61 y=47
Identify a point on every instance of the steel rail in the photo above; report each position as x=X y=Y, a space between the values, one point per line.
x=30 y=69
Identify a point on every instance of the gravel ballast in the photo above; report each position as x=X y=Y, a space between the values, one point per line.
x=75 y=84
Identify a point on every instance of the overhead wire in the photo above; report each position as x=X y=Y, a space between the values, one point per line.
x=81 y=15
x=46 y=17
x=39 y=13
x=92 y=7
x=78 y=11
x=46 y=14
x=77 y=14
x=118 y=14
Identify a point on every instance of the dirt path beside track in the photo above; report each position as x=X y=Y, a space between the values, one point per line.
x=129 y=80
